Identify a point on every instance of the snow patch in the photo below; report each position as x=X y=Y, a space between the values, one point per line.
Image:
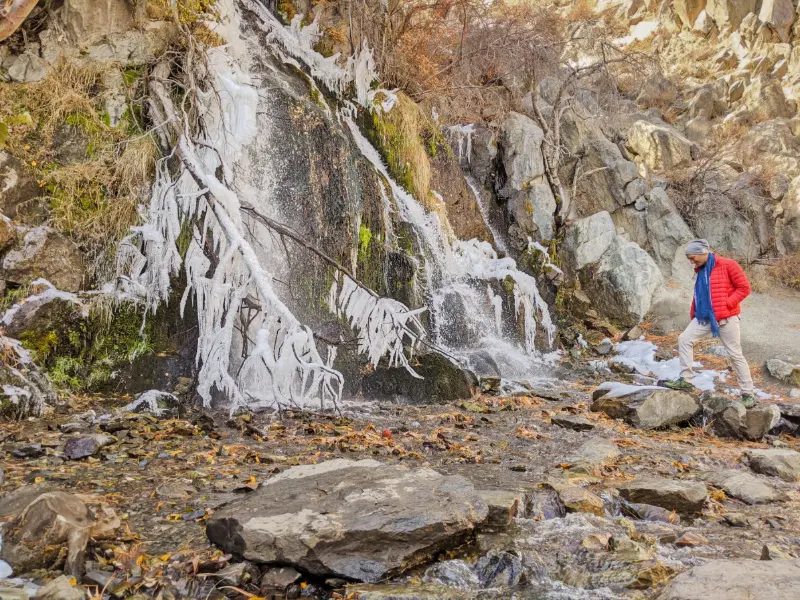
x=640 y=356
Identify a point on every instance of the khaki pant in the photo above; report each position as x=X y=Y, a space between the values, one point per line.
x=731 y=338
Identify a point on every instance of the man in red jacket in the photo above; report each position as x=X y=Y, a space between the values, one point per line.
x=720 y=287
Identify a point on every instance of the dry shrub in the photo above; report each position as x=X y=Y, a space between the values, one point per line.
x=787 y=271
x=581 y=10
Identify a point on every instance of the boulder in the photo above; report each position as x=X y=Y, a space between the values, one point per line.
x=783 y=371
x=622 y=283
x=578 y=499
x=764 y=96
x=776 y=462
x=729 y=418
x=503 y=506
x=788 y=225
x=744 y=486
x=729 y=13
x=760 y=420
x=780 y=14
x=605 y=177
x=278 y=579
x=649 y=408
x=672 y=494
x=26 y=390
x=532 y=211
x=49 y=523
x=85 y=445
x=739 y=579
x=87 y=22
x=28 y=67
x=586 y=240
x=17 y=189
x=660 y=146
x=574 y=422
x=592 y=454
x=666 y=229
x=60 y=588
x=442 y=381
x=520 y=144
x=361 y=520
x=688 y=10
x=46 y=254
x=43 y=312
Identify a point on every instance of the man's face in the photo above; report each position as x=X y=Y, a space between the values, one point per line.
x=698 y=260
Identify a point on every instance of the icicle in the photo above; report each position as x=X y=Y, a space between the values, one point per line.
x=463 y=137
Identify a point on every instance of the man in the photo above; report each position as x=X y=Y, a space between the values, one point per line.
x=720 y=287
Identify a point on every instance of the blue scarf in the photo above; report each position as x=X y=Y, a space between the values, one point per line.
x=703 y=309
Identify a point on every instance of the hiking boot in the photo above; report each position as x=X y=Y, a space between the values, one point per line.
x=680 y=385
x=748 y=400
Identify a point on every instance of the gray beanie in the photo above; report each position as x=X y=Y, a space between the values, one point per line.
x=697 y=247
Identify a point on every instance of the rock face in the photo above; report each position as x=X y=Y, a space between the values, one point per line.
x=649 y=408
x=521 y=142
x=729 y=13
x=736 y=580
x=780 y=14
x=362 y=520
x=681 y=496
x=776 y=462
x=442 y=381
x=764 y=96
x=48 y=254
x=689 y=10
x=744 y=486
x=87 y=22
x=588 y=239
x=660 y=146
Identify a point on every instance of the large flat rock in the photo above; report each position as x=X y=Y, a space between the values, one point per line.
x=363 y=520
x=776 y=462
x=744 y=486
x=737 y=580
x=672 y=494
x=647 y=408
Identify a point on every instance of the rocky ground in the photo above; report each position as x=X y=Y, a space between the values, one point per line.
x=538 y=494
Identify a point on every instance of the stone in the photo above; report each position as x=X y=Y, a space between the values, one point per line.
x=175 y=491
x=607 y=177
x=414 y=591
x=360 y=520
x=592 y=454
x=691 y=539
x=28 y=68
x=656 y=90
x=667 y=232
x=499 y=569
x=532 y=210
x=634 y=333
x=59 y=588
x=704 y=23
x=46 y=254
x=18 y=190
x=442 y=381
x=736 y=91
x=578 y=499
x=28 y=451
x=44 y=312
x=279 y=578
x=760 y=420
x=520 y=144
x=544 y=504
x=85 y=445
x=52 y=522
x=8 y=232
x=11 y=593
x=660 y=146
x=780 y=14
x=775 y=462
x=648 y=512
x=672 y=494
x=699 y=130
x=702 y=104
x=729 y=13
x=586 y=240
x=622 y=283
x=765 y=97
x=649 y=408
x=239 y=574
x=87 y=22
x=452 y=573
x=688 y=10
x=783 y=371
x=744 y=486
x=772 y=552
x=503 y=506
x=574 y=422
x=736 y=520
x=740 y=579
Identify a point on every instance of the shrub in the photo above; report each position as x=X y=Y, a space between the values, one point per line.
x=787 y=271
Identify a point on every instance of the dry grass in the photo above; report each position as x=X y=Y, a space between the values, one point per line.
x=787 y=271
x=581 y=10
x=92 y=196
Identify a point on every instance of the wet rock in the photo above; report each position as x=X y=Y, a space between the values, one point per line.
x=442 y=381
x=452 y=573
x=50 y=522
x=503 y=506
x=672 y=494
x=28 y=451
x=735 y=580
x=775 y=462
x=86 y=445
x=48 y=254
x=278 y=579
x=648 y=408
x=499 y=569
x=428 y=591
x=357 y=519
x=59 y=589
x=660 y=146
x=784 y=371
x=574 y=422
x=578 y=499
x=156 y=403
x=744 y=486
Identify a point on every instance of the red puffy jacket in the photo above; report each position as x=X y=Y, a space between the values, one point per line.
x=729 y=286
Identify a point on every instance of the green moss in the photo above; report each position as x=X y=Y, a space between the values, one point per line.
x=390 y=140
x=364 y=238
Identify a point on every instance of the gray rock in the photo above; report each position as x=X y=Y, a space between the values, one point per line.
x=660 y=146
x=238 y=574
x=503 y=506
x=59 y=589
x=744 y=486
x=28 y=451
x=765 y=96
x=86 y=22
x=592 y=454
x=778 y=463
x=361 y=520
x=499 y=569
x=783 y=371
x=794 y=394
x=86 y=445
x=13 y=593
x=740 y=579
x=672 y=494
x=648 y=512
x=452 y=573
x=772 y=552
x=760 y=420
x=574 y=422
x=729 y=13
x=28 y=68
x=588 y=239
x=666 y=229
x=48 y=254
x=521 y=142
x=532 y=210
x=279 y=579
x=649 y=408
